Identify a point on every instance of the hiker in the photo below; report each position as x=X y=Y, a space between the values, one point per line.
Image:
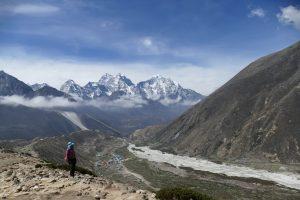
x=71 y=158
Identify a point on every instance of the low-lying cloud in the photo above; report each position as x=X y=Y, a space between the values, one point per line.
x=101 y=103
x=168 y=101
x=37 y=102
x=123 y=102
x=60 y=102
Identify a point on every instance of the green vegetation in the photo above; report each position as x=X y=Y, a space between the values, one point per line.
x=180 y=194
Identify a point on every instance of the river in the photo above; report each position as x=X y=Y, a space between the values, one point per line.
x=287 y=179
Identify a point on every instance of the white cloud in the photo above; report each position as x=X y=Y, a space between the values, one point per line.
x=35 y=9
x=148 y=46
x=60 y=102
x=147 y=42
x=168 y=101
x=123 y=102
x=37 y=102
x=290 y=15
x=257 y=12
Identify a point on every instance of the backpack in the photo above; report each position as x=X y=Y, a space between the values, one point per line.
x=70 y=154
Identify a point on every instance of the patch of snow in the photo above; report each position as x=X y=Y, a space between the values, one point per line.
x=73 y=117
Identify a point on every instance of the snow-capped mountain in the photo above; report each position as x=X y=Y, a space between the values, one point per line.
x=38 y=86
x=73 y=89
x=118 y=83
x=164 y=89
x=94 y=90
x=157 y=88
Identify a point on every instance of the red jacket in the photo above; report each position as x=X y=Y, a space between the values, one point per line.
x=69 y=155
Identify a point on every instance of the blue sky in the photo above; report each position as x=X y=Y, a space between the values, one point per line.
x=199 y=43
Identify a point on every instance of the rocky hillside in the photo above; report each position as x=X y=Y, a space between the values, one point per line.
x=24 y=177
x=254 y=115
x=145 y=135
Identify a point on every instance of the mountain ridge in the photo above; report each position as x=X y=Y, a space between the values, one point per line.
x=254 y=115
x=155 y=89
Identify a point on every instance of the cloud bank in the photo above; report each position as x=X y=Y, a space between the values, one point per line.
x=60 y=102
x=37 y=102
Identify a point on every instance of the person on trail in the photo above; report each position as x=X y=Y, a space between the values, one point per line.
x=70 y=157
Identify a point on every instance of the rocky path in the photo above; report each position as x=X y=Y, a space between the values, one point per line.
x=22 y=177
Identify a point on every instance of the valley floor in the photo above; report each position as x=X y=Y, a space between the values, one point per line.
x=151 y=175
x=291 y=180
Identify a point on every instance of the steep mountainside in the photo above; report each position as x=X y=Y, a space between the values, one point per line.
x=9 y=85
x=38 y=86
x=127 y=120
x=26 y=123
x=254 y=115
x=49 y=91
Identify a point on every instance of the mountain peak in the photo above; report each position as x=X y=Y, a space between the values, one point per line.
x=163 y=79
x=38 y=86
x=117 y=82
x=3 y=73
x=70 y=81
x=121 y=75
x=72 y=88
x=165 y=89
x=10 y=85
x=118 y=76
x=157 y=76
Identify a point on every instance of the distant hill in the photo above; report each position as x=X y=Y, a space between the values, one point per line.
x=254 y=115
x=26 y=123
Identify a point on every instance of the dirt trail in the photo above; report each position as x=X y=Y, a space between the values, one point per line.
x=22 y=178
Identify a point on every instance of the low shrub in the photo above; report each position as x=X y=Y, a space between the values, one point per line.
x=180 y=194
x=38 y=166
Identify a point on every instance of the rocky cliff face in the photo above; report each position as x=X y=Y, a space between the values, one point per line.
x=255 y=114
